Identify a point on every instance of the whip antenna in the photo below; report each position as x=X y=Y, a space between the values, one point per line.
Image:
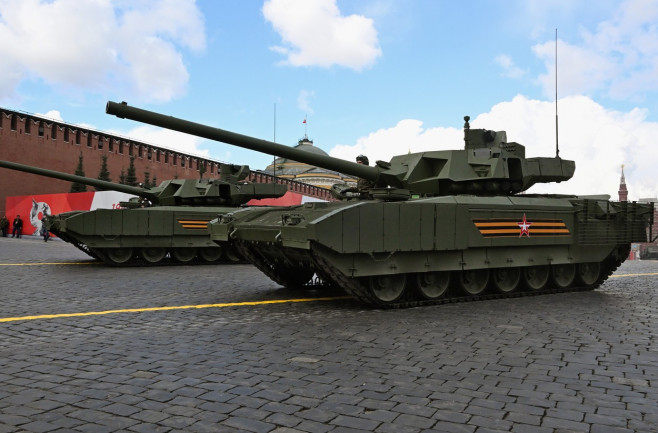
x=557 y=148
x=274 y=140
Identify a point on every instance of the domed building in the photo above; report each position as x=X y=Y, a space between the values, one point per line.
x=301 y=172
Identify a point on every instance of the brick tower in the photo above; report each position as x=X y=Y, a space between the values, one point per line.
x=623 y=192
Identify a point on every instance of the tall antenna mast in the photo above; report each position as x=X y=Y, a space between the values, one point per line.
x=274 y=140
x=557 y=148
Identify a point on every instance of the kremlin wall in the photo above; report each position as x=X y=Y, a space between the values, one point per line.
x=46 y=143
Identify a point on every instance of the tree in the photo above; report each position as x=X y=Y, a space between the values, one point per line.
x=104 y=173
x=131 y=178
x=202 y=170
x=147 y=179
x=80 y=171
x=155 y=181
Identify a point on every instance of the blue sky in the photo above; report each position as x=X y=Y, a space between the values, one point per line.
x=375 y=77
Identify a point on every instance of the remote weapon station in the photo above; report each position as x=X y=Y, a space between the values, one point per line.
x=161 y=223
x=437 y=226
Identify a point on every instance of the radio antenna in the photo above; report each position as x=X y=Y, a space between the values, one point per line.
x=557 y=148
x=274 y=140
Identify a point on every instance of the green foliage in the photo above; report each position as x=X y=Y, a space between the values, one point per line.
x=131 y=177
x=147 y=180
x=104 y=174
x=79 y=171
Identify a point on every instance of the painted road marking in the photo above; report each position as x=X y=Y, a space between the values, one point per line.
x=633 y=275
x=177 y=307
x=50 y=263
x=224 y=305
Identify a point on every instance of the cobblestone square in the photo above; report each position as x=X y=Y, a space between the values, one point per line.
x=90 y=348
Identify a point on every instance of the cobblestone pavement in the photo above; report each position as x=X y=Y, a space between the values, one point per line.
x=578 y=362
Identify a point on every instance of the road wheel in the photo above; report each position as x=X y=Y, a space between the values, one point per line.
x=231 y=255
x=563 y=275
x=474 y=281
x=183 y=255
x=535 y=277
x=119 y=256
x=506 y=280
x=153 y=255
x=588 y=273
x=432 y=285
x=210 y=254
x=387 y=288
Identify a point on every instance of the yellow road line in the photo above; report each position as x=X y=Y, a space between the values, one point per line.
x=50 y=263
x=177 y=307
x=224 y=305
x=633 y=275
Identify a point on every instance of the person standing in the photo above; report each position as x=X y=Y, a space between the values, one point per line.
x=4 y=226
x=17 y=227
x=44 y=230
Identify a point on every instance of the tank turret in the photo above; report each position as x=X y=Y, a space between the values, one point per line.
x=229 y=190
x=488 y=164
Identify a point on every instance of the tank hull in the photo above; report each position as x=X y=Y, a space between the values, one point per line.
x=144 y=236
x=366 y=245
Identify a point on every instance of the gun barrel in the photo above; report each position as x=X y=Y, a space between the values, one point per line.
x=124 y=111
x=75 y=178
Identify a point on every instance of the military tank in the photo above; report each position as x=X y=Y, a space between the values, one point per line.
x=437 y=226
x=160 y=224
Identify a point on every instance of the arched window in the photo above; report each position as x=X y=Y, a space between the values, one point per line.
x=53 y=132
x=28 y=125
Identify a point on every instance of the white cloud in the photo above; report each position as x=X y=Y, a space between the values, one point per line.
x=598 y=139
x=407 y=136
x=99 y=44
x=52 y=114
x=315 y=33
x=169 y=139
x=619 y=58
x=303 y=101
x=509 y=68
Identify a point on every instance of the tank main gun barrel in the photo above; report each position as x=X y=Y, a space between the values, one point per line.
x=124 y=111
x=79 y=179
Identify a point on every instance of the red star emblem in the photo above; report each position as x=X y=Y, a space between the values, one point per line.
x=524 y=226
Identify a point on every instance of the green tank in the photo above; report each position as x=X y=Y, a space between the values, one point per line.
x=437 y=226
x=161 y=224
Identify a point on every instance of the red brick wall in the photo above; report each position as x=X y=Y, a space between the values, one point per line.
x=61 y=152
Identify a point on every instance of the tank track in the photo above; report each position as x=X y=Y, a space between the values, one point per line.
x=79 y=245
x=276 y=275
x=138 y=262
x=409 y=299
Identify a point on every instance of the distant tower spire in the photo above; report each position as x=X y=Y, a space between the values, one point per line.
x=623 y=192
